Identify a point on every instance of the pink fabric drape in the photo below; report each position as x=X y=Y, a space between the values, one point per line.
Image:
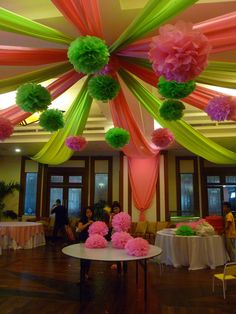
x=16 y=115
x=84 y=14
x=220 y=31
x=140 y=154
x=25 y=56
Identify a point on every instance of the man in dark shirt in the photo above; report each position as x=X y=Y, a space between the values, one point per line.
x=61 y=218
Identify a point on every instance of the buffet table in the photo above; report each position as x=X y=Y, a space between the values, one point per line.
x=193 y=251
x=21 y=235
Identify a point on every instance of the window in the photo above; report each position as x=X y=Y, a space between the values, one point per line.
x=101 y=187
x=187 y=197
x=213 y=179
x=30 y=193
x=57 y=179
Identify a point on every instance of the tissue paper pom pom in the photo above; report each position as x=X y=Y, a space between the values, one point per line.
x=173 y=89
x=185 y=231
x=121 y=222
x=76 y=143
x=88 y=54
x=162 y=137
x=33 y=97
x=204 y=229
x=51 y=120
x=172 y=109
x=103 y=87
x=137 y=247
x=117 y=137
x=6 y=128
x=191 y=224
x=98 y=227
x=219 y=108
x=96 y=241
x=119 y=239
x=179 y=53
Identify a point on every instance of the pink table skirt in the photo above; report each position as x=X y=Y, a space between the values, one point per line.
x=21 y=232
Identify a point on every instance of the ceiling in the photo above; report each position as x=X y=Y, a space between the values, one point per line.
x=116 y=15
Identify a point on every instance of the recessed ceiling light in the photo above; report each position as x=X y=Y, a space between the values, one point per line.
x=17 y=150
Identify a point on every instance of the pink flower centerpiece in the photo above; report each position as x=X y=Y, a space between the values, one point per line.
x=137 y=247
x=96 y=241
x=121 y=222
x=98 y=227
x=119 y=239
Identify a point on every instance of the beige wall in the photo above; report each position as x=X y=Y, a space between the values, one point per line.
x=10 y=171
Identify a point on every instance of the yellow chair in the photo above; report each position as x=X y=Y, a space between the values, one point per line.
x=228 y=274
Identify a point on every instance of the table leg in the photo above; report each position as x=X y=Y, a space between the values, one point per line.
x=145 y=282
x=136 y=272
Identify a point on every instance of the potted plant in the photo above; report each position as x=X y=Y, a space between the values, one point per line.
x=5 y=189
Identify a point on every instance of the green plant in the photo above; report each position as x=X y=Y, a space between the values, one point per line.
x=5 y=189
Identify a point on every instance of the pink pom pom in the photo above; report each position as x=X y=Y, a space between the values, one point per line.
x=179 y=53
x=119 y=239
x=6 y=128
x=121 y=222
x=76 y=143
x=192 y=224
x=95 y=241
x=137 y=247
x=98 y=227
x=162 y=137
x=219 y=108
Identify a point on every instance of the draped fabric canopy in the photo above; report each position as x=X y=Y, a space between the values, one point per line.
x=131 y=52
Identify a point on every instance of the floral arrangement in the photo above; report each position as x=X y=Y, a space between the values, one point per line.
x=137 y=247
x=219 y=108
x=204 y=229
x=98 y=227
x=121 y=222
x=103 y=87
x=185 y=231
x=192 y=224
x=51 y=120
x=33 y=97
x=119 y=239
x=76 y=143
x=6 y=128
x=179 y=53
x=162 y=137
x=96 y=241
x=117 y=137
x=88 y=54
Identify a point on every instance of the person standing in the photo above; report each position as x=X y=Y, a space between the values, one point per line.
x=61 y=218
x=230 y=231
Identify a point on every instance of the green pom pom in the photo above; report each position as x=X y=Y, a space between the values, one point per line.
x=185 y=231
x=172 y=89
x=103 y=87
x=117 y=137
x=33 y=97
x=172 y=109
x=51 y=120
x=88 y=54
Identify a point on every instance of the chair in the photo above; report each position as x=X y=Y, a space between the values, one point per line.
x=228 y=274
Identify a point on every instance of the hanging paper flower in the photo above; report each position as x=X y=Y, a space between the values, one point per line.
x=219 y=108
x=121 y=222
x=76 y=143
x=117 y=137
x=119 y=239
x=88 y=54
x=137 y=247
x=173 y=89
x=51 y=120
x=96 y=241
x=33 y=97
x=185 y=231
x=98 y=227
x=103 y=87
x=179 y=53
x=162 y=137
x=6 y=128
x=171 y=109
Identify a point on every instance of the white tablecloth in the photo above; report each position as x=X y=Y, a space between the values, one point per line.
x=195 y=252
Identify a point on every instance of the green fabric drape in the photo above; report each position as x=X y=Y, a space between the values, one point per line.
x=153 y=15
x=54 y=151
x=12 y=22
x=12 y=83
x=184 y=134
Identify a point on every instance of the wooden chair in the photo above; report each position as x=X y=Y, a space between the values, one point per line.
x=228 y=274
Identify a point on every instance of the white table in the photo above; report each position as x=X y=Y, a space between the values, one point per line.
x=26 y=235
x=110 y=254
x=194 y=251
